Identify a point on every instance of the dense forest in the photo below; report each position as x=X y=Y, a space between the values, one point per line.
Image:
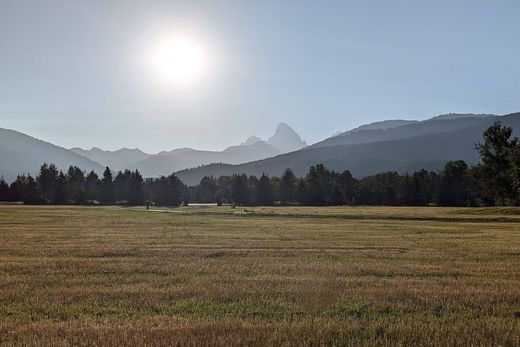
x=495 y=181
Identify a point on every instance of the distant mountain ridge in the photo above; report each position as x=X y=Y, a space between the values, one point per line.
x=284 y=139
x=166 y=163
x=116 y=160
x=20 y=153
x=410 y=129
x=381 y=125
x=419 y=146
x=464 y=115
x=397 y=145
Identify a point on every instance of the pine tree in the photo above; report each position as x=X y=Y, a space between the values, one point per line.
x=288 y=187
x=4 y=190
x=453 y=187
x=107 y=187
x=92 y=186
x=496 y=168
x=239 y=189
x=136 y=189
x=47 y=182
x=264 y=195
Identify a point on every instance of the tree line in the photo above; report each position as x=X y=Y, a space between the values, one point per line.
x=53 y=186
x=494 y=181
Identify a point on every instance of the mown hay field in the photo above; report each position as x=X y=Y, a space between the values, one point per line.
x=259 y=276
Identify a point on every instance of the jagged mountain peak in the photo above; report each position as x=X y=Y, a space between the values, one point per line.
x=286 y=139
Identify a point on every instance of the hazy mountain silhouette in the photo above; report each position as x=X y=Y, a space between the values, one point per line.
x=254 y=148
x=381 y=125
x=286 y=139
x=20 y=153
x=446 y=141
x=464 y=115
x=389 y=145
x=442 y=123
x=116 y=160
x=178 y=159
x=166 y=162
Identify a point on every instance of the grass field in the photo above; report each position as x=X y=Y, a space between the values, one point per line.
x=259 y=276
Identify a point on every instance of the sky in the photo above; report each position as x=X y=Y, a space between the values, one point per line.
x=78 y=73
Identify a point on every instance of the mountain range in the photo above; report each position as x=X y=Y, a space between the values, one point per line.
x=284 y=140
x=396 y=145
x=20 y=153
x=404 y=148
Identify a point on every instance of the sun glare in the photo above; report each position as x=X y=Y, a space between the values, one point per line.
x=180 y=61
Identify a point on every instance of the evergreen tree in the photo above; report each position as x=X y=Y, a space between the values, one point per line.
x=92 y=186
x=496 y=168
x=76 y=185
x=407 y=191
x=136 y=189
x=167 y=191
x=345 y=183
x=422 y=188
x=336 y=195
x=453 y=187
x=300 y=191
x=317 y=185
x=276 y=183
x=122 y=186
x=379 y=189
x=514 y=158
x=4 y=190
x=239 y=189
x=61 y=189
x=288 y=187
x=107 y=187
x=25 y=189
x=208 y=188
x=47 y=182
x=264 y=195
x=224 y=191
x=252 y=190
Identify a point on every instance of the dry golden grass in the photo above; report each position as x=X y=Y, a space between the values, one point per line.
x=259 y=276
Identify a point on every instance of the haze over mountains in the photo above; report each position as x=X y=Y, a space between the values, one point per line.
x=117 y=160
x=394 y=130
x=20 y=153
x=382 y=125
x=426 y=145
x=284 y=140
x=392 y=145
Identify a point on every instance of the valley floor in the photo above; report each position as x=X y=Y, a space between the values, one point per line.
x=259 y=276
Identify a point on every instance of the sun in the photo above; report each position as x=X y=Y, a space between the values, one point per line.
x=180 y=61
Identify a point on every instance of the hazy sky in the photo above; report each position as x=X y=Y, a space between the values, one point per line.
x=76 y=73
